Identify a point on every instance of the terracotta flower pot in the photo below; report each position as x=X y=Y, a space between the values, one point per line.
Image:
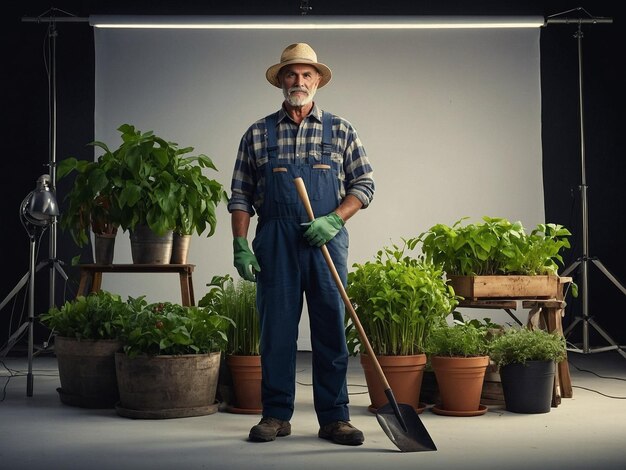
x=404 y=374
x=245 y=372
x=460 y=381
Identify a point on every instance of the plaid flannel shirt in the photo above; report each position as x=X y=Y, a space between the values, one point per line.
x=348 y=156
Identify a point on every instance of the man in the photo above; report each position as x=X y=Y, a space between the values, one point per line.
x=300 y=140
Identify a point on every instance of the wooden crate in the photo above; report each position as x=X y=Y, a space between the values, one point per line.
x=511 y=286
x=492 y=394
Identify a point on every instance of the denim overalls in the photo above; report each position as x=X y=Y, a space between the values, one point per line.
x=291 y=267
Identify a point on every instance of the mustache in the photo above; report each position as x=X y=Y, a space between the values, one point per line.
x=294 y=89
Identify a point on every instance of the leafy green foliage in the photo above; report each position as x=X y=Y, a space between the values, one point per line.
x=166 y=328
x=88 y=201
x=518 y=345
x=463 y=338
x=236 y=301
x=97 y=316
x=146 y=180
x=398 y=300
x=495 y=246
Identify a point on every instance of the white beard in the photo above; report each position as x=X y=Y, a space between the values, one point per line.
x=297 y=100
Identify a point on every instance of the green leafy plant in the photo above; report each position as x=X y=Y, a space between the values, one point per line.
x=398 y=300
x=198 y=198
x=495 y=246
x=146 y=180
x=88 y=200
x=518 y=345
x=462 y=338
x=99 y=315
x=166 y=328
x=236 y=301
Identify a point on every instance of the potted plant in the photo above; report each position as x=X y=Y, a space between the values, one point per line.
x=458 y=354
x=89 y=206
x=497 y=258
x=527 y=364
x=86 y=333
x=198 y=199
x=398 y=300
x=170 y=360
x=157 y=189
x=240 y=376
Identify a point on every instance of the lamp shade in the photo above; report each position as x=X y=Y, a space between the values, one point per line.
x=42 y=205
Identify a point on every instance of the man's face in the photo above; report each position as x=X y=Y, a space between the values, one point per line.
x=299 y=82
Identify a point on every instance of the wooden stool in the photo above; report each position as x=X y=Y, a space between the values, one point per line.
x=546 y=314
x=91 y=275
x=543 y=313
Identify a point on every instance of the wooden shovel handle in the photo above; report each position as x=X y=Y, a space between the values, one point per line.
x=304 y=197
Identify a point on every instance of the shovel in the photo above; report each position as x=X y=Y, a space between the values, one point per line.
x=399 y=420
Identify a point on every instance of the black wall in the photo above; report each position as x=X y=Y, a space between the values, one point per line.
x=25 y=132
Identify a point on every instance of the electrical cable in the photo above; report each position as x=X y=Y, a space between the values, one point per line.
x=621 y=379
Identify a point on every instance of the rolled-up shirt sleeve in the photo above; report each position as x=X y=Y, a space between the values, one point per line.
x=359 y=175
x=244 y=175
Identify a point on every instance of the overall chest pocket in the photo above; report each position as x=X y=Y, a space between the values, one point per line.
x=323 y=181
x=283 y=187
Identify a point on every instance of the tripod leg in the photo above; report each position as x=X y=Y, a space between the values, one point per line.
x=608 y=274
x=571 y=267
x=15 y=290
x=606 y=336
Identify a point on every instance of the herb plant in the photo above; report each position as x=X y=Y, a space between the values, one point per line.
x=398 y=300
x=236 y=301
x=518 y=345
x=463 y=338
x=495 y=246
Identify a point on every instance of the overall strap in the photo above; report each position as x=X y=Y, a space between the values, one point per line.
x=272 y=142
x=327 y=133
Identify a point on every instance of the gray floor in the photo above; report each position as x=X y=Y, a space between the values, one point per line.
x=584 y=432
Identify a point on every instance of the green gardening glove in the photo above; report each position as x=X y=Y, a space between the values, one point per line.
x=245 y=261
x=323 y=229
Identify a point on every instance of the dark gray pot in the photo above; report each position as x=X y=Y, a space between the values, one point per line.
x=148 y=247
x=527 y=388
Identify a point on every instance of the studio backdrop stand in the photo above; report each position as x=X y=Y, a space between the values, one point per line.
x=40 y=222
x=37 y=211
x=582 y=263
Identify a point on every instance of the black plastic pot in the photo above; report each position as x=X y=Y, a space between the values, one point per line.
x=527 y=388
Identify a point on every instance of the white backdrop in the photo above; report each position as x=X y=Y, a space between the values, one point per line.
x=450 y=119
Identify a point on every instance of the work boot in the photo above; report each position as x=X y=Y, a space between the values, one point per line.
x=268 y=429
x=341 y=432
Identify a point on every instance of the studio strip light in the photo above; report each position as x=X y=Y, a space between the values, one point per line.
x=314 y=23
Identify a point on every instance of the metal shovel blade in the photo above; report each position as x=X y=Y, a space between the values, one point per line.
x=415 y=438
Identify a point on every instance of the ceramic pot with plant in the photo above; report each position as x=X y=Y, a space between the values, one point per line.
x=458 y=354
x=156 y=188
x=86 y=332
x=197 y=203
x=170 y=361
x=481 y=259
x=88 y=206
x=240 y=376
x=527 y=364
x=398 y=300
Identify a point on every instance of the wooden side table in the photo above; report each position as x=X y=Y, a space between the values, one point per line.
x=91 y=276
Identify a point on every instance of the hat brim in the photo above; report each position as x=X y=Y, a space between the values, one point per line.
x=274 y=70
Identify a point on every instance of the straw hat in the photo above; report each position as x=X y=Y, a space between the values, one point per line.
x=299 y=53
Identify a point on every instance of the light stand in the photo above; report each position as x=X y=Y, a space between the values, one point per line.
x=583 y=261
x=37 y=210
